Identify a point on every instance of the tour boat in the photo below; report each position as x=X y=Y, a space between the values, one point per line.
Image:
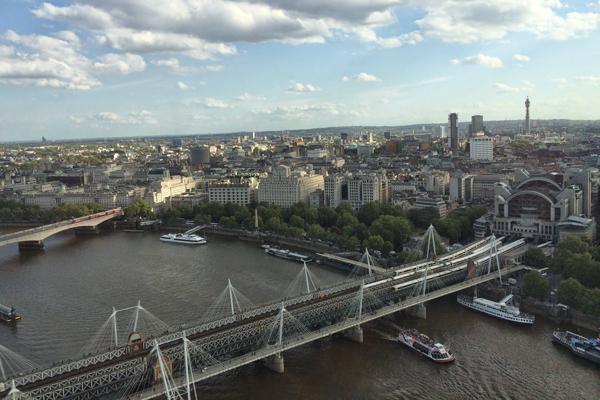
x=579 y=345
x=183 y=238
x=503 y=309
x=8 y=314
x=436 y=352
x=288 y=255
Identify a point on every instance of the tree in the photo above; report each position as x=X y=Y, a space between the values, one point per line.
x=395 y=230
x=570 y=292
x=535 y=257
x=375 y=242
x=535 y=285
x=326 y=216
x=297 y=221
x=139 y=208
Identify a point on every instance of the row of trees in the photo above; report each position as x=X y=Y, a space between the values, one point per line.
x=12 y=210
x=578 y=262
x=383 y=227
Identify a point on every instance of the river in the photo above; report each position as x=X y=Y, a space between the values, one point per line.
x=67 y=292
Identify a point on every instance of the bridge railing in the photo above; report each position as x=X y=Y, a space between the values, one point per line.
x=59 y=224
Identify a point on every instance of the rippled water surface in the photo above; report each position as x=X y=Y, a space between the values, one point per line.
x=67 y=292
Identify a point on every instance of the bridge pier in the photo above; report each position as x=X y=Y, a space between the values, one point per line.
x=355 y=334
x=275 y=363
x=419 y=311
x=31 y=245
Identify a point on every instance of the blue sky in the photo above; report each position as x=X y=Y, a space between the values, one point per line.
x=83 y=68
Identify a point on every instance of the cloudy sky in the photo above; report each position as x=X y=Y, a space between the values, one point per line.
x=97 y=68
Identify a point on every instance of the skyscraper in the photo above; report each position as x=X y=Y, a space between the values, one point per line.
x=453 y=123
x=476 y=124
x=527 y=122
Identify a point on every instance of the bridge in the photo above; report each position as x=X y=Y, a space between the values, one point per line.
x=169 y=364
x=33 y=239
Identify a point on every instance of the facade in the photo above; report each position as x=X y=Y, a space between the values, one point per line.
x=242 y=193
x=333 y=190
x=356 y=190
x=199 y=155
x=476 y=125
x=537 y=208
x=285 y=189
x=483 y=187
x=481 y=148
x=435 y=205
x=453 y=125
x=461 y=187
x=316 y=198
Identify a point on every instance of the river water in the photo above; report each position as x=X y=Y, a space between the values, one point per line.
x=67 y=292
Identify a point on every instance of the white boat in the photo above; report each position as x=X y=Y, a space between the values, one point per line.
x=503 y=309
x=182 y=238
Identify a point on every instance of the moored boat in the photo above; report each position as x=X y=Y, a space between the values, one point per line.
x=427 y=347
x=578 y=344
x=182 y=238
x=503 y=309
x=288 y=255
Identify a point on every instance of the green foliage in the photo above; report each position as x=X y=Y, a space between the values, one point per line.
x=570 y=292
x=535 y=285
x=395 y=230
x=574 y=257
x=535 y=257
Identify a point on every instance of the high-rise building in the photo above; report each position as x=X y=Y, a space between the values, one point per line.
x=453 y=124
x=387 y=135
x=527 y=121
x=476 y=125
x=481 y=148
x=439 y=131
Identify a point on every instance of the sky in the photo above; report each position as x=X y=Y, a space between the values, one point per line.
x=102 y=68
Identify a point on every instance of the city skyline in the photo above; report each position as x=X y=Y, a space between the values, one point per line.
x=131 y=68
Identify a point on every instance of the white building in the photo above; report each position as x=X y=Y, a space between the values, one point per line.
x=481 y=148
x=285 y=189
x=242 y=193
x=333 y=190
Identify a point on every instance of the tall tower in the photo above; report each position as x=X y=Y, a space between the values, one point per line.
x=527 y=122
x=453 y=123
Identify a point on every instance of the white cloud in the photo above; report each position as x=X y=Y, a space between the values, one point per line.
x=299 y=111
x=142 y=117
x=472 y=20
x=211 y=102
x=479 y=59
x=298 y=87
x=504 y=88
x=122 y=63
x=368 y=35
x=591 y=79
x=213 y=68
x=249 y=97
x=45 y=61
x=170 y=63
x=521 y=58
x=182 y=85
x=361 y=77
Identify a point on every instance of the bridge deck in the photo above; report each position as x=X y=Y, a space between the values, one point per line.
x=228 y=365
x=42 y=232
x=355 y=263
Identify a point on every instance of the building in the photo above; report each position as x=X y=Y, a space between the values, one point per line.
x=461 y=187
x=241 y=193
x=540 y=208
x=285 y=189
x=333 y=190
x=481 y=148
x=483 y=187
x=439 y=131
x=453 y=125
x=199 y=156
x=436 y=182
x=356 y=190
x=316 y=198
x=436 y=206
x=476 y=125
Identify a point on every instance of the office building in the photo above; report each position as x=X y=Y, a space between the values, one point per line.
x=453 y=126
x=481 y=148
x=284 y=188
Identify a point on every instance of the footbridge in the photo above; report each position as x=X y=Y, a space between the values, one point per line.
x=169 y=364
x=31 y=239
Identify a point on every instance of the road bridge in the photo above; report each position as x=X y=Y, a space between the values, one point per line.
x=32 y=239
x=168 y=365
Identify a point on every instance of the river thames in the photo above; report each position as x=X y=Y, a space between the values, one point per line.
x=67 y=292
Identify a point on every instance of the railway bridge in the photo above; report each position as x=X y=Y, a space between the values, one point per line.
x=168 y=365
